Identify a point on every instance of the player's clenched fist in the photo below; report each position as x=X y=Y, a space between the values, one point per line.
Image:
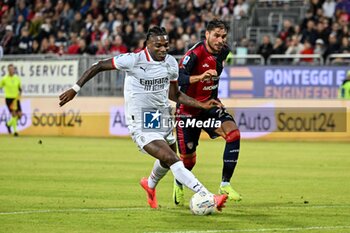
x=208 y=74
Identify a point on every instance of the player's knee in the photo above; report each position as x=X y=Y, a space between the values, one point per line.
x=233 y=135
x=170 y=159
x=189 y=160
x=163 y=164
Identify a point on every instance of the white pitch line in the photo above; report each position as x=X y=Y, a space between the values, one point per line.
x=146 y=208
x=309 y=206
x=73 y=210
x=319 y=228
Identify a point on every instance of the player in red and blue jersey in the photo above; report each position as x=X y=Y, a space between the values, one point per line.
x=199 y=76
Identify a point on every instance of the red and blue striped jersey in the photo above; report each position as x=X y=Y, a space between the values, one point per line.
x=195 y=62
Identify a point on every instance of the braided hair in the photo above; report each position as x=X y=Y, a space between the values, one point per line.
x=154 y=31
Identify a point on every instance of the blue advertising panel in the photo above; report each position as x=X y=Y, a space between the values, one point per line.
x=282 y=82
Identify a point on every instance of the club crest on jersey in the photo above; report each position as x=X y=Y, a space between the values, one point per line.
x=186 y=59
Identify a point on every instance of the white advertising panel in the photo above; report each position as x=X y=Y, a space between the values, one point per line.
x=43 y=78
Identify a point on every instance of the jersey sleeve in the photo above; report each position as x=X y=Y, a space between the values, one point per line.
x=124 y=62
x=185 y=68
x=174 y=69
x=2 y=82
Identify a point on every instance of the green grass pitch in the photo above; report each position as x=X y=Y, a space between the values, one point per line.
x=91 y=185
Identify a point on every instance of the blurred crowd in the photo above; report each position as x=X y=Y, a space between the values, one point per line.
x=105 y=26
x=118 y=26
x=324 y=30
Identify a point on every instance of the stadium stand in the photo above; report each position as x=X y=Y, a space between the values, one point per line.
x=117 y=26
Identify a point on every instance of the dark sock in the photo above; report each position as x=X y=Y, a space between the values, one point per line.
x=230 y=157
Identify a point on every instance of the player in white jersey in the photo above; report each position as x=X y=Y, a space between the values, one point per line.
x=151 y=78
x=147 y=83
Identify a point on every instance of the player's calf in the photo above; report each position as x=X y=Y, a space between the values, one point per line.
x=230 y=159
x=189 y=161
x=8 y=127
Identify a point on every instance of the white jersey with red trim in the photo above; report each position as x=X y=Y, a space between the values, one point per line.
x=146 y=82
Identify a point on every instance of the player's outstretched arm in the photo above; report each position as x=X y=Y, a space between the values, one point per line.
x=179 y=97
x=96 y=68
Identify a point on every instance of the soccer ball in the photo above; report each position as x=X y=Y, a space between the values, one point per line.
x=202 y=203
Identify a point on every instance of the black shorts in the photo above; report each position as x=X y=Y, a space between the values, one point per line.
x=187 y=137
x=9 y=102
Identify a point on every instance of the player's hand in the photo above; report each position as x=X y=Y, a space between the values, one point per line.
x=208 y=74
x=67 y=96
x=212 y=103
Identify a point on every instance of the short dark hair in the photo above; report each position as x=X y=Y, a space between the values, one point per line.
x=217 y=23
x=155 y=31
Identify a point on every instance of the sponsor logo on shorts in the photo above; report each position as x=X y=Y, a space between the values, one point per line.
x=190 y=145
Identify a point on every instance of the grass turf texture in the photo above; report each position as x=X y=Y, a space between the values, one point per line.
x=91 y=185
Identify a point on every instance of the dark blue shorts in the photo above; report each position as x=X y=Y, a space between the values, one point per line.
x=9 y=102
x=187 y=137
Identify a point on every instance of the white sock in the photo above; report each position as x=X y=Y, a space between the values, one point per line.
x=223 y=183
x=187 y=178
x=157 y=174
